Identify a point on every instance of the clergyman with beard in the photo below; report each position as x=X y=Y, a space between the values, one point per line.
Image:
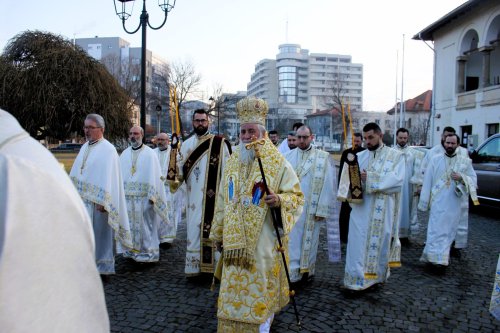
x=168 y=232
x=448 y=179
x=145 y=196
x=202 y=160
x=372 y=246
x=291 y=140
x=461 y=237
x=253 y=281
x=97 y=176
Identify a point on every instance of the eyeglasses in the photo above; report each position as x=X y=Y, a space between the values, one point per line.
x=90 y=127
x=303 y=137
x=201 y=121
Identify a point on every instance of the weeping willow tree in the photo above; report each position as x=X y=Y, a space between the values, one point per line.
x=50 y=85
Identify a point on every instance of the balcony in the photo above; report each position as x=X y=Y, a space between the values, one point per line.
x=491 y=95
x=466 y=100
x=485 y=96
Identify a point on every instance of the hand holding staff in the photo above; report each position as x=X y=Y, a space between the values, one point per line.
x=273 y=201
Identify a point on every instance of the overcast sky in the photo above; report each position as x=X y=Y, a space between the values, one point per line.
x=226 y=38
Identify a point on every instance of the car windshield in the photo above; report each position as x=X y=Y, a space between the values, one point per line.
x=490 y=152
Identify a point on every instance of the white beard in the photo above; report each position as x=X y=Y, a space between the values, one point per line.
x=247 y=156
x=135 y=143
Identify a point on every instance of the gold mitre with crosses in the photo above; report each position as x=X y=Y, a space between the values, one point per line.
x=252 y=110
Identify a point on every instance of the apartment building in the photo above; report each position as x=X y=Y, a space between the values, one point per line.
x=298 y=83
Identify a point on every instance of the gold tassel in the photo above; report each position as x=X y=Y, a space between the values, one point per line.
x=370 y=276
x=395 y=255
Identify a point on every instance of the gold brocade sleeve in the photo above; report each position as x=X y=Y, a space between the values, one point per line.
x=291 y=198
x=216 y=231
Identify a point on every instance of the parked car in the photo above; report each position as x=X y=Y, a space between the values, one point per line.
x=67 y=147
x=486 y=163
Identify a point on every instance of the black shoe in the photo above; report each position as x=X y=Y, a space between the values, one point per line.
x=436 y=269
x=296 y=285
x=405 y=241
x=165 y=246
x=455 y=253
x=351 y=293
x=105 y=278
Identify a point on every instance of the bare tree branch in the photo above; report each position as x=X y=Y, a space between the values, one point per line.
x=185 y=79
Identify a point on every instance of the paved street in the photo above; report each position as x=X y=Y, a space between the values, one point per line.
x=158 y=298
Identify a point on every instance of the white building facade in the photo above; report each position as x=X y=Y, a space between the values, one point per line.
x=466 y=92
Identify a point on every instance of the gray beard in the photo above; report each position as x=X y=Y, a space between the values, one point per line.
x=247 y=156
x=135 y=143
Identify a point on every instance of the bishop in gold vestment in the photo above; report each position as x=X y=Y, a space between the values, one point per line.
x=253 y=282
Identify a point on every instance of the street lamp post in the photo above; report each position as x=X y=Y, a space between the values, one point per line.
x=124 y=13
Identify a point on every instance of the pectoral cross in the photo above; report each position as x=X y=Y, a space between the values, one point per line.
x=132 y=170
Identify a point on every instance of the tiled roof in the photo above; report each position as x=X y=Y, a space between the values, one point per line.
x=324 y=112
x=422 y=102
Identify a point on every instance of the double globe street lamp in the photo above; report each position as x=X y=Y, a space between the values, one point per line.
x=124 y=11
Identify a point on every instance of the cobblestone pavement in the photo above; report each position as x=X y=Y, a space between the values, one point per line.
x=159 y=298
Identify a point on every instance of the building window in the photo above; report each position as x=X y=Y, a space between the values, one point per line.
x=289 y=49
x=491 y=129
x=287 y=81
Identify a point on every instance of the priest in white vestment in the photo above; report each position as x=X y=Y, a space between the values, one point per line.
x=175 y=200
x=97 y=176
x=145 y=196
x=318 y=183
x=48 y=277
x=461 y=236
x=291 y=142
x=253 y=281
x=408 y=219
x=448 y=178
x=373 y=245
x=202 y=161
